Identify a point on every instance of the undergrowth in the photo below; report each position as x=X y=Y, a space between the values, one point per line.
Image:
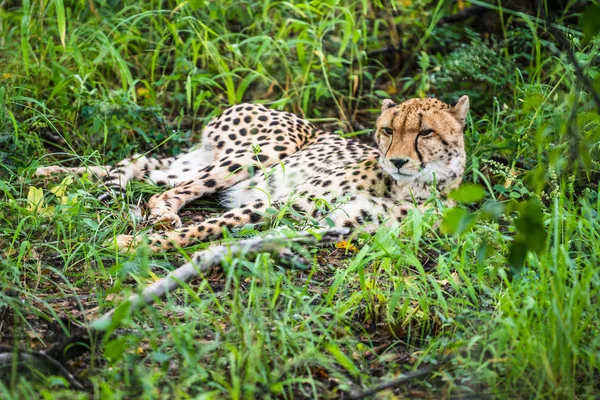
x=501 y=291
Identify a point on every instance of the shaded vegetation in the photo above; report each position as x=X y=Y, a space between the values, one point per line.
x=507 y=284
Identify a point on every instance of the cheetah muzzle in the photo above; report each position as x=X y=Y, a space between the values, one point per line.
x=257 y=158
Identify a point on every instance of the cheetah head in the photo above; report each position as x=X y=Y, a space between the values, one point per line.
x=422 y=140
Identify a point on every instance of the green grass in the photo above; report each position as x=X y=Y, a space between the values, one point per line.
x=506 y=284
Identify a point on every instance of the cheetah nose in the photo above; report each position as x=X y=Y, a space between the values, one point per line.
x=398 y=162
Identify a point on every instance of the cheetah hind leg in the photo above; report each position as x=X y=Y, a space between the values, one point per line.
x=100 y=173
x=97 y=171
x=212 y=228
x=213 y=178
x=135 y=168
x=115 y=178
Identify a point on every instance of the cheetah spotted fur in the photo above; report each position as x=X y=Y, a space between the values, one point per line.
x=257 y=158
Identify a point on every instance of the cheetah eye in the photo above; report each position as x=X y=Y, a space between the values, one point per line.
x=388 y=131
x=426 y=132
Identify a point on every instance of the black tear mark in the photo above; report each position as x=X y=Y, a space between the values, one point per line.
x=419 y=153
x=417 y=142
x=392 y=137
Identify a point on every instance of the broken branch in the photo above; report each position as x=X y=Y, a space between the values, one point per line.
x=201 y=262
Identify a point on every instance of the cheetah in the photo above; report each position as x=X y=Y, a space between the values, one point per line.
x=256 y=158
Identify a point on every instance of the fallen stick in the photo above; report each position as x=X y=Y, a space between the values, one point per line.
x=201 y=262
x=204 y=261
x=401 y=380
x=8 y=357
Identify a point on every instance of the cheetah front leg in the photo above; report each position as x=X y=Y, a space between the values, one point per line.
x=220 y=175
x=189 y=235
x=370 y=213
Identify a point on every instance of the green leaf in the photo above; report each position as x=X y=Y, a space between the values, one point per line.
x=468 y=193
x=57 y=381
x=114 y=349
x=531 y=226
x=590 y=22
x=61 y=189
x=531 y=234
x=532 y=102
x=343 y=359
x=452 y=219
x=25 y=41
x=424 y=61
x=515 y=195
x=160 y=357
x=517 y=254
x=271 y=211
x=35 y=199
x=121 y=313
x=493 y=209
x=595 y=84
x=61 y=20
x=500 y=189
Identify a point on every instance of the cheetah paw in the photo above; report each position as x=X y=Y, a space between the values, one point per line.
x=165 y=218
x=126 y=243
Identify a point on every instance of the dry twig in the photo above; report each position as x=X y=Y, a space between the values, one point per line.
x=401 y=380
x=200 y=263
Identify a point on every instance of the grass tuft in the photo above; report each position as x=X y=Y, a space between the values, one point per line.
x=505 y=285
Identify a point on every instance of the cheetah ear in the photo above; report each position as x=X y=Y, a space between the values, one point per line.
x=387 y=104
x=460 y=110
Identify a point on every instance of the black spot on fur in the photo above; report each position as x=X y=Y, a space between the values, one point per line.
x=254 y=217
